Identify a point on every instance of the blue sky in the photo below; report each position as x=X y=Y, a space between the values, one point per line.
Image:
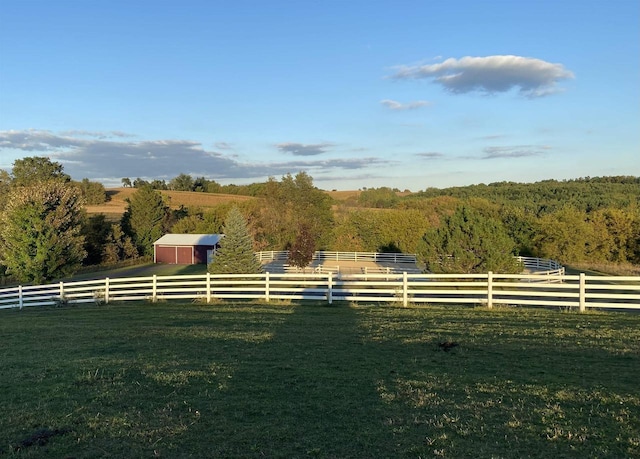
x=405 y=94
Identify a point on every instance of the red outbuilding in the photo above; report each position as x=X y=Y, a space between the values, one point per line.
x=186 y=249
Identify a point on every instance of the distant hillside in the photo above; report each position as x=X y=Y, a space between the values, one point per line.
x=115 y=207
x=586 y=194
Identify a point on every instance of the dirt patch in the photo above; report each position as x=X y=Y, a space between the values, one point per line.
x=343 y=267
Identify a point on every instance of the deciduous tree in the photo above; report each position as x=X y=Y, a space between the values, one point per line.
x=5 y=187
x=303 y=248
x=36 y=169
x=183 y=182
x=564 y=235
x=93 y=193
x=290 y=202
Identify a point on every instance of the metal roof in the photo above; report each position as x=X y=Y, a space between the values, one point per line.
x=189 y=239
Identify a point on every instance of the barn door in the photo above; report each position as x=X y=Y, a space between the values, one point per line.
x=184 y=255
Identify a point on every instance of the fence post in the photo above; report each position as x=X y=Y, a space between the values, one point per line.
x=208 y=287
x=330 y=288
x=583 y=292
x=490 y=289
x=61 y=291
x=266 y=286
x=20 y=297
x=154 y=289
x=405 y=286
x=106 y=290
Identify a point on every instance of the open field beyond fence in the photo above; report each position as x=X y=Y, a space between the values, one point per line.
x=285 y=380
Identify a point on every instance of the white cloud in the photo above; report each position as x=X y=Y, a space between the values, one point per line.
x=395 y=105
x=491 y=74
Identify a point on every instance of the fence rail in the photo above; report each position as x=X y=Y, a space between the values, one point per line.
x=375 y=257
x=565 y=291
x=541 y=265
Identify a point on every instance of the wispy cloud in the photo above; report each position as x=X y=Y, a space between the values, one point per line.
x=430 y=155
x=301 y=149
x=395 y=105
x=353 y=163
x=109 y=160
x=223 y=146
x=96 y=134
x=491 y=74
x=516 y=151
x=492 y=137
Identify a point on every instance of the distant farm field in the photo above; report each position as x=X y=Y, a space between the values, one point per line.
x=285 y=380
x=117 y=203
x=342 y=195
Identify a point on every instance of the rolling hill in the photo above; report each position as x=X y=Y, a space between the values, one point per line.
x=117 y=204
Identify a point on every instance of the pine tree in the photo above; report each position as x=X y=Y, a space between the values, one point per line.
x=40 y=232
x=145 y=218
x=469 y=242
x=235 y=255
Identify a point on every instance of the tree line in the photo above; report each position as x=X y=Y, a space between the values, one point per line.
x=46 y=234
x=185 y=182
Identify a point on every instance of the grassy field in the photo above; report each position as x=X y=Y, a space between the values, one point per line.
x=117 y=204
x=251 y=380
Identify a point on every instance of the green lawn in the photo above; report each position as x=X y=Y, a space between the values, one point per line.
x=190 y=380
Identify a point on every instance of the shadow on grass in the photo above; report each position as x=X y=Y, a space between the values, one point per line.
x=308 y=384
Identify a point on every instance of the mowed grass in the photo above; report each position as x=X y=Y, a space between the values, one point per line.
x=283 y=381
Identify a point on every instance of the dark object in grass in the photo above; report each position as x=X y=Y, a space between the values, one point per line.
x=40 y=437
x=447 y=345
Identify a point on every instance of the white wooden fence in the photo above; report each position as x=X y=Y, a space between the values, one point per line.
x=375 y=257
x=564 y=291
x=541 y=265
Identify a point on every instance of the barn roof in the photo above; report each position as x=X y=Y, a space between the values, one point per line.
x=189 y=239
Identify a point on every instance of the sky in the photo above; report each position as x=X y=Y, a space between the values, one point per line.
x=401 y=94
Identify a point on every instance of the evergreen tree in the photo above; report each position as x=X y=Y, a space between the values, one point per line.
x=40 y=232
x=145 y=218
x=118 y=246
x=95 y=229
x=468 y=242
x=235 y=255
